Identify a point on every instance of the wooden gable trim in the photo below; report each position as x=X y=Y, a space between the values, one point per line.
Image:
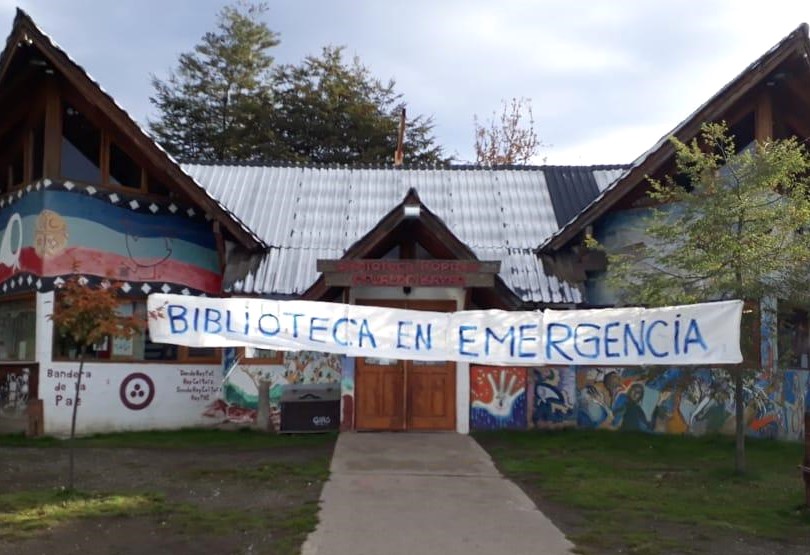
x=714 y=109
x=428 y=223
x=26 y=29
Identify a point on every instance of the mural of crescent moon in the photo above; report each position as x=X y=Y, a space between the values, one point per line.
x=11 y=256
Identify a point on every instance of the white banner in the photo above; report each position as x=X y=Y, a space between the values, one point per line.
x=693 y=334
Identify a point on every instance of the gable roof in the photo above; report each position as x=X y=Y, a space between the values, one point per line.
x=25 y=31
x=306 y=213
x=427 y=227
x=796 y=42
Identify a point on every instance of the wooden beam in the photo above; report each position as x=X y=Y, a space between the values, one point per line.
x=53 y=132
x=763 y=117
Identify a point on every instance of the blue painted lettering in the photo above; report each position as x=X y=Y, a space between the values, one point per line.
x=336 y=334
x=648 y=339
x=592 y=338
x=553 y=342
x=638 y=342
x=314 y=326
x=463 y=340
x=424 y=336
x=365 y=332
x=610 y=340
x=295 y=317
x=402 y=333
x=210 y=320
x=275 y=322
x=523 y=337
x=177 y=313
x=693 y=335
x=509 y=335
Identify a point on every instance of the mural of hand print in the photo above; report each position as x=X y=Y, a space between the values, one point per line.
x=503 y=394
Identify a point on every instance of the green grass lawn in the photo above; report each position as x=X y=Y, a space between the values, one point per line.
x=627 y=488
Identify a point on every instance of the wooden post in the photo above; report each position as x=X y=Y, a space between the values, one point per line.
x=263 y=409
x=764 y=118
x=53 y=131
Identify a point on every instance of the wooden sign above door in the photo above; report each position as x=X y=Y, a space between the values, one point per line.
x=409 y=273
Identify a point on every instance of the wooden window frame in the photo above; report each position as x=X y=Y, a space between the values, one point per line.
x=108 y=137
x=22 y=297
x=25 y=140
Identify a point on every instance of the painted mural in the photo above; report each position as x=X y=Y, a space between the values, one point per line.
x=685 y=401
x=497 y=398
x=240 y=390
x=48 y=232
x=553 y=397
x=17 y=385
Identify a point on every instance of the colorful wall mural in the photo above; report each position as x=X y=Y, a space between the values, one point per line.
x=48 y=232
x=240 y=390
x=18 y=384
x=553 y=395
x=691 y=401
x=497 y=398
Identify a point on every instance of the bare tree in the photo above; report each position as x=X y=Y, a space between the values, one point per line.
x=508 y=138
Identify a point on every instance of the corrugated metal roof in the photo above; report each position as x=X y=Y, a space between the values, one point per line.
x=307 y=213
x=573 y=187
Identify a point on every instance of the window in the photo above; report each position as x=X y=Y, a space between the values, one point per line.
x=136 y=348
x=793 y=337
x=18 y=329
x=261 y=356
x=123 y=170
x=81 y=147
x=16 y=150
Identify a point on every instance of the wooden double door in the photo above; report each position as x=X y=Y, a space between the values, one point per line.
x=395 y=394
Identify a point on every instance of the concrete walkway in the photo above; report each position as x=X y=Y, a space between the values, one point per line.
x=407 y=494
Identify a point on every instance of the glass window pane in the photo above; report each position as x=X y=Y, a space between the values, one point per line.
x=251 y=353
x=17 y=329
x=81 y=147
x=123 y=169
x=202 y=352
x=381 y=361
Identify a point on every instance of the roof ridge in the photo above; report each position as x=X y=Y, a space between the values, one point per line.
x=380 y=166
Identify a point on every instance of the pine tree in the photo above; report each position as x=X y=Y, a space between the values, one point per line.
x=211 y=107
x=327 y=110
x=730 y=224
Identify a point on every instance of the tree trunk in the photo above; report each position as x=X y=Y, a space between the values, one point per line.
x=739 y=414
x=71 y=446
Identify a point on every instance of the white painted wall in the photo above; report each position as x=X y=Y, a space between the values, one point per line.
x=180 y=392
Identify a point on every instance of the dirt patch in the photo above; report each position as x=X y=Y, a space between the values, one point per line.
x=212 y=500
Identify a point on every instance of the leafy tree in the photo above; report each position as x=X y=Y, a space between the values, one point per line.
x=211 y=107
x=328 y=110
x=87 y=315
x=729 y=225
x=508 y=138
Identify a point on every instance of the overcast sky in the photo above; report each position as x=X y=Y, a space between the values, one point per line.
x=606 y=78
